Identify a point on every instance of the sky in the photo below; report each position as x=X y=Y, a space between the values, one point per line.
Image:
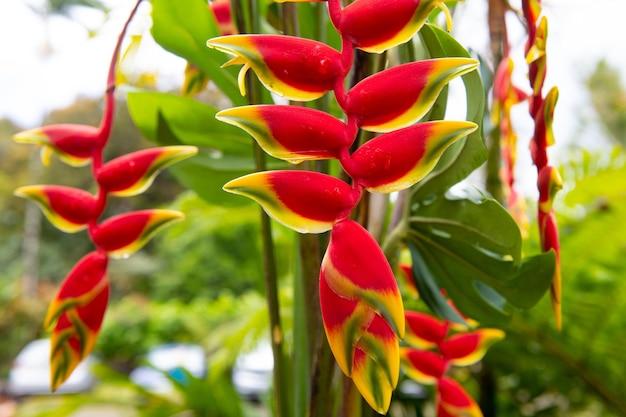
x=47 y=63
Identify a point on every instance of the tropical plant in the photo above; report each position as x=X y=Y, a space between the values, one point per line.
x=349 y=103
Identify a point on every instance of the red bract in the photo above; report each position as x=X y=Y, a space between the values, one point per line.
x=298 y=69
x=133 y=173
x=454 y=400
x=221 y=11
x=74 y=144
x=122 y=235
x=397 y=160
x=422 y=366
x=289 y=132
x=544 y=135
x=67 y=208
x=382 y=102
x=424 y=331
x=465 y=349
x=377 y=25
x=76 y=315
x=362 y=311
x=307 y=202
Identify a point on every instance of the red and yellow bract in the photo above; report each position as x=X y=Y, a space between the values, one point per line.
x=380 y=103
x=69 y=209
x=308 y=202
x=377 y=25
x=396 y=160
x=133 y=173
x=76 y=314
x=362 y=312
x=291 y=133
x=295 y=68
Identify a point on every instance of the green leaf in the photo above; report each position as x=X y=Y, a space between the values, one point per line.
x=466 y=154
x=183 y=27
x=428 y=288
x=191 y=122
x=472 y=249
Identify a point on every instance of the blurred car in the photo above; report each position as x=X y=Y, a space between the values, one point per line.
x=168 y=361
x=252 y=372
x=30 y=372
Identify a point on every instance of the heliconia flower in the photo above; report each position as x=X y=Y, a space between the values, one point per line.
x=375 y=370
x=536 y=57
x=222 y=12
x=361 y=21
x=532 y=10
x=74 y=144
x=381 y=103
x=396 y=160
x=291 y=133
x=505 y=93
x=76 y=314
x=454 y=400
x=422 y=366
x=362 y=312
x=133 y=173
x=122 y=235
x=194 y=82
x=406 y=277
x=307 y=202
x=465 y=349
x=544 y=135
x=424 y=331
x=549 y=183
x=295 y=68
x=67 y=208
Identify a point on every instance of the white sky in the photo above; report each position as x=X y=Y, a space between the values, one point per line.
x=31 y=83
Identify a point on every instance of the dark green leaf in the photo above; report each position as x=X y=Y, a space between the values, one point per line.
x=469 y=153
x=183 y=28
x=473 y=251
x=428 y=288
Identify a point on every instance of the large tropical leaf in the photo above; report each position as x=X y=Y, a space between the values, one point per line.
x=472 y=249
x=183 y=27
x=469 y=153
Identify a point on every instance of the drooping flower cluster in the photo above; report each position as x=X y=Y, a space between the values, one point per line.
x=549 y=181
x=76 y=312
x=437 y=345
x=360 y=302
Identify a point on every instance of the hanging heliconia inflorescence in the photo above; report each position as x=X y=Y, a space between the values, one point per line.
x=361 y=306
x=549 y=181
x=76 y=312
x=434 y=346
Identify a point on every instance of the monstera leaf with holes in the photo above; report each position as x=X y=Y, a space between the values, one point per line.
x=469 y=247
